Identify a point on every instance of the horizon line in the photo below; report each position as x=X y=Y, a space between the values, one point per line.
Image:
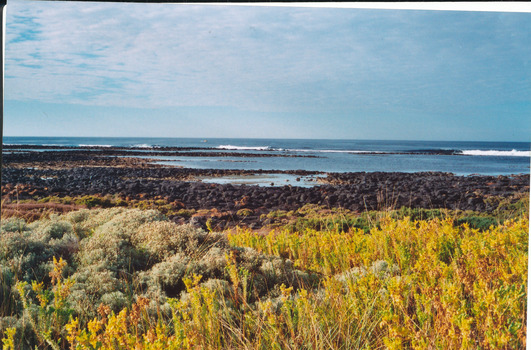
x=266 y=138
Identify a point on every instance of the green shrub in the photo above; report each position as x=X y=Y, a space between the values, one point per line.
x=277 y=214
x=186 y=213
x=117 y=255
x=94 y=201
x=477 y=222
x=52 y=229
x=8 y=305
x=244 y=212
x=419 y=213
x=13 y=224
x=163 y=238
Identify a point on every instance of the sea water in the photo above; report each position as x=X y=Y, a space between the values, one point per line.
x=485 y=158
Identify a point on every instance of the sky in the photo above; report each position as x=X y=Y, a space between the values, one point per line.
x=180 y=70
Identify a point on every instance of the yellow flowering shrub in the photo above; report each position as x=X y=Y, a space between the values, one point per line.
x=457 y=287
x=407 y=284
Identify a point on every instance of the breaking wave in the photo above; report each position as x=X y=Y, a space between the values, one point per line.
x=513 y=153
x=82 y=145
x=241 y=148
x=329 y=151
x=144 y=145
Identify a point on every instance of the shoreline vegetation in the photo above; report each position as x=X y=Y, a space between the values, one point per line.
x=117 y=253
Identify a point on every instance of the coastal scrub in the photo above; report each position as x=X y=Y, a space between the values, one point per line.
x=126 y=278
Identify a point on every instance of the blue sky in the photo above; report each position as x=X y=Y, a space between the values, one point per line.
x=175 y=70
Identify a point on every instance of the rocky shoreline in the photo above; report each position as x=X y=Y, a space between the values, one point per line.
x=182 y=151
x=354 y=191
x=91 y=156
x=36 y=175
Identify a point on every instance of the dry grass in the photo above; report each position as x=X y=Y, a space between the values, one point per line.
x=35 y=211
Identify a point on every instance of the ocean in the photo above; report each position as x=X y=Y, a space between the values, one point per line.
x=458 y=157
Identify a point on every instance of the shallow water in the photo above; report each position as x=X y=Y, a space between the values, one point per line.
x=486 y=158
x=265 y=180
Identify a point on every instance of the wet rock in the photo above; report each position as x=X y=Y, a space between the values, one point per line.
x=356 y=191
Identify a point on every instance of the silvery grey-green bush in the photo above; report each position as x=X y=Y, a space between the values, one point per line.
x=117 y=255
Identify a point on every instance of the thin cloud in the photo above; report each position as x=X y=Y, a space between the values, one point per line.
x=263 y=59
